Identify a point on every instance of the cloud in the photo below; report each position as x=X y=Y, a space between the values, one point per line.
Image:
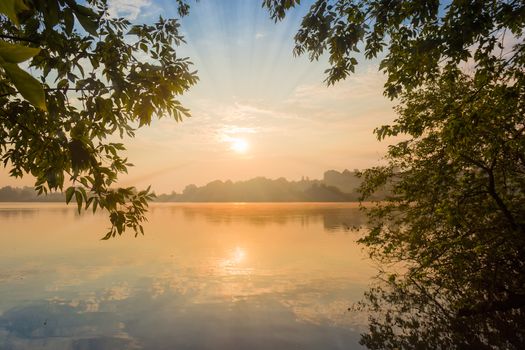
x=367 y=84
x=358 y=97
x=129 y=9
x=235 y=137
x=259 y=35
x=237 y=130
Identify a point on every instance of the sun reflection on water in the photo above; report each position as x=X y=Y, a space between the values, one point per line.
x=238 y=255
x=235 y=262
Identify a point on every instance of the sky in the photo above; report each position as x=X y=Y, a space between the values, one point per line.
x=257 y=110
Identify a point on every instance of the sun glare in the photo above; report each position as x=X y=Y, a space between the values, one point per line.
x=238 y=255
x=239 y=145
x=233 y=263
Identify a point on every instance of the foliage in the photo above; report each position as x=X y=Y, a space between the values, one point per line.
x=455 y=222
x=100 y=78
x=423 y=37
x=452 y=235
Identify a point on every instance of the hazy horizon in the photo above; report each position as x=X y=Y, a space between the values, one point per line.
x=333 y=186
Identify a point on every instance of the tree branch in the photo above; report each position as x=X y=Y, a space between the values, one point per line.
x=17 y=38
x=499 y=201
x=60 y=89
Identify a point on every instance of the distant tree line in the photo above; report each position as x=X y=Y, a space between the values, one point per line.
x=334 y=187
x=28 y=194
x=260 y=189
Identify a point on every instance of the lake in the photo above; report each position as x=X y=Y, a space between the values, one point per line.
x=204 y=276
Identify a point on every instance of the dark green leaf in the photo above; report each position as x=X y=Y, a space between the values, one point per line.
x=13 y=53
x=26 y=85
x=89 y=24
x=8 y=8
x=69 y=194
x=78 y=197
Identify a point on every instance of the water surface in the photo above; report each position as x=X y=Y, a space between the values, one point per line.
x=205 y=276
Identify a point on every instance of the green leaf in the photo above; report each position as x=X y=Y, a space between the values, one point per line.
x=87 y=23
x=69 y=20
x=51 y=13
x=78 y=197
x=84 y=194
x=69 y=194
x=107 y=236
x=89 y=201
x=8 y=8
x=135 y=30
x=27 y=86
x=85 y=11
x=80 y=155
x=14 y=53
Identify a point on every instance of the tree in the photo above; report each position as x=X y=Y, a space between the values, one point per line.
x=455 y=222
x=93 y=77
x=453 y=232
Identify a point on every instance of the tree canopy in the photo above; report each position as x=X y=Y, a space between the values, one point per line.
x=452 y=235
x=455 y=222
x=92 y=76
x=420 y=39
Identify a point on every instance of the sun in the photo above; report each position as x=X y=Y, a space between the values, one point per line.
x=239 y=146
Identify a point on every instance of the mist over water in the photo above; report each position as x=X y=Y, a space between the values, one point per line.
x=205 y=276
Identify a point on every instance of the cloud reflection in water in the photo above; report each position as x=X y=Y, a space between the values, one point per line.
x=248 y=276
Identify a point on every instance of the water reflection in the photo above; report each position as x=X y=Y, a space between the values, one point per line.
x=233 y=263
x=340 y=217
x=335 y=217
x=17 y=211
x=204 y=276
